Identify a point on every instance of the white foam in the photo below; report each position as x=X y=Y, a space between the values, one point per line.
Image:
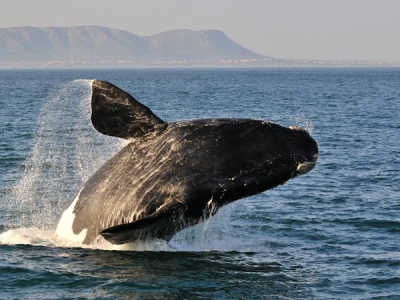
x=203 y=237
x=151 y=245
x=26 y=236
x=47 y=238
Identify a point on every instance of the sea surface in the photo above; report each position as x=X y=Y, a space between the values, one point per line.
x=333 y=233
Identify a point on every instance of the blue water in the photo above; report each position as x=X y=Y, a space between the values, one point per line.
x=333 y=233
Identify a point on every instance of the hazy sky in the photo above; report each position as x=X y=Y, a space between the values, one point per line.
x=298 y=29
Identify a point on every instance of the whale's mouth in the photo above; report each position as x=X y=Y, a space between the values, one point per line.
x=306 y=167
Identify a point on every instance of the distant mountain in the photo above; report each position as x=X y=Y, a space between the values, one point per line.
x=204 y=44
x=101 y=43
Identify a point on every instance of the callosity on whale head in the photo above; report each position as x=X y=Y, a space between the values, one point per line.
x=174 y=175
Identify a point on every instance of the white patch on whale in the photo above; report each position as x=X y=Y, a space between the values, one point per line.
x=64 y=227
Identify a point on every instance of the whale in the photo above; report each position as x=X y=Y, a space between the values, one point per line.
x=172 y=175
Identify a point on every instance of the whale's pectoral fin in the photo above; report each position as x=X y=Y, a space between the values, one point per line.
x=162 y=224
x=116 y=113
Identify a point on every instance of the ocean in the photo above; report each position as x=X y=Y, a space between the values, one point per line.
x=333 y=233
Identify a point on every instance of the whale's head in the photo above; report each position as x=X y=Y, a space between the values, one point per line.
x=236 y=158
x=268 y=154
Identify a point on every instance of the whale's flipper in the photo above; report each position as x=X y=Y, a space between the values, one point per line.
x=162 y=224
x=116 y=113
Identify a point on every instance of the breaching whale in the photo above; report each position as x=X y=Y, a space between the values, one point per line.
x=174 y=175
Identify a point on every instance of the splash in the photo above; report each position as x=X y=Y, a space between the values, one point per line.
x=66 y=151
